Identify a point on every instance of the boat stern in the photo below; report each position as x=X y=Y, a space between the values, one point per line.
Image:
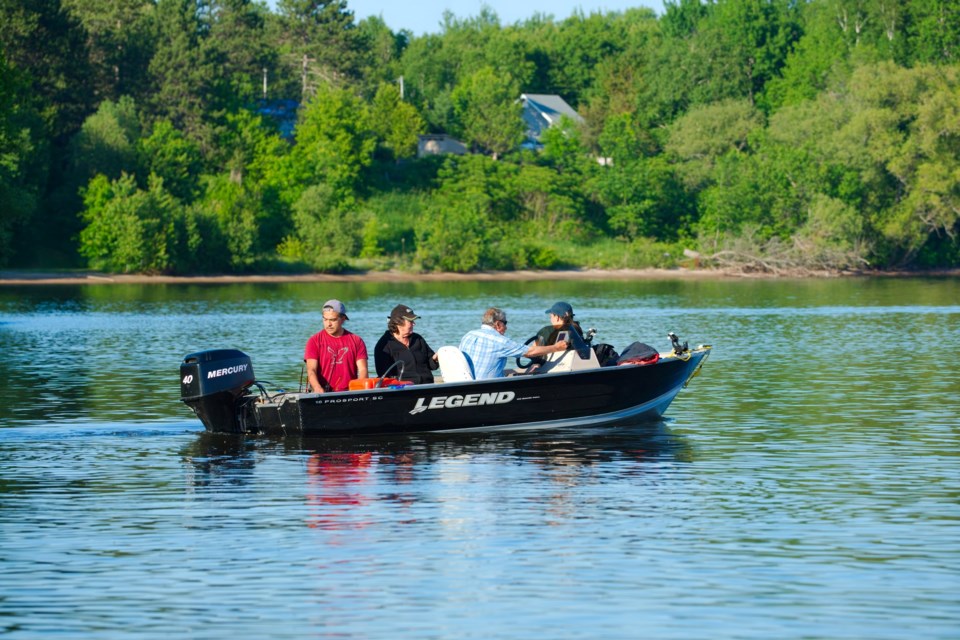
x=212 y=383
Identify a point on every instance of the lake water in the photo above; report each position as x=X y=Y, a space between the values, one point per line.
x=805 y=485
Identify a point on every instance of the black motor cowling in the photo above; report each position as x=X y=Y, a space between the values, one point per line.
x=212 y=383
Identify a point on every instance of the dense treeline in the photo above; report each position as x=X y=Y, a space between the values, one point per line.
x=140 y=136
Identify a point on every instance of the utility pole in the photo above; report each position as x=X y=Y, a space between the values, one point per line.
x=303 y=75
x=264 y=83
x=401 y=87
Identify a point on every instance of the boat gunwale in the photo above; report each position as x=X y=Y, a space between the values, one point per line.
x=665 y=359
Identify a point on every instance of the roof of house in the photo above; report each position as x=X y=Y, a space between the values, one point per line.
x=550 y=106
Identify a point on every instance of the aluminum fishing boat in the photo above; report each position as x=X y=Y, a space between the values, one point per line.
x=570 y=389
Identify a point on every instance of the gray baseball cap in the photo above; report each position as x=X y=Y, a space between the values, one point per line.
x=336 y=305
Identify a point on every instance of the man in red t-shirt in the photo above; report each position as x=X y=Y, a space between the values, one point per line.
x=334 y=356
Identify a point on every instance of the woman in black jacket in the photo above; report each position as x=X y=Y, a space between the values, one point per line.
x=400 y=343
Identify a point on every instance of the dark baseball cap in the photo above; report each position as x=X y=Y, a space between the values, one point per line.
x=560 y=309
x=403 y=312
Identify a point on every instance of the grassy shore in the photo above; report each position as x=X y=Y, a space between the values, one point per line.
x=14 y=277
x=17 y=277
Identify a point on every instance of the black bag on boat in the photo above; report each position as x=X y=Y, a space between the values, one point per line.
x=638 y=352
x=606 y=354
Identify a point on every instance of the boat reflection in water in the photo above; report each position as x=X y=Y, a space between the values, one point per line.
x=637 y=440
x=352 y=483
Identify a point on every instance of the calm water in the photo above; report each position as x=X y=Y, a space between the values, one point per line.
x=805 y=485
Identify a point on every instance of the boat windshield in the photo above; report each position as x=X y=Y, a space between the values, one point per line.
x=576 y=342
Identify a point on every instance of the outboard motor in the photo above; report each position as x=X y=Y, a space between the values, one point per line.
x=211 y=383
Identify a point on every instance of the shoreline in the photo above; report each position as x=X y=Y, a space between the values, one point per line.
x=31 y=277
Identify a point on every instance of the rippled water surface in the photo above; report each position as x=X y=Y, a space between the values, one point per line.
x=805 y=485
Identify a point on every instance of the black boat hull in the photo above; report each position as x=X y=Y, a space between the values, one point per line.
x=580 y=398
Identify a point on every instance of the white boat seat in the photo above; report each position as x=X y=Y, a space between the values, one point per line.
x=568 y=361
x=571 y=359
x=454 y=365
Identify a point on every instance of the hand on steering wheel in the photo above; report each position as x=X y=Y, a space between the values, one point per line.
x=530 y=361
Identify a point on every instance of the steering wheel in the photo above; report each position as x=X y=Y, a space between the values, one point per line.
x=520 y=365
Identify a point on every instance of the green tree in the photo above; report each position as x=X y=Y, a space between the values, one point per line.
x=934 y=31
x=553 y=193
x=454 y=239
x=107 y=142
x=926 y=163
x=327 y=233
x=823 y=162
x=183 y=80
x=510 y=51
x=128 y=230
x=41 y=39
x=552 y=207
x=741 y=201
x=681 y=18
x=119 y=43
x=728 y=49
x=618 y=83
x=756 y=36
x=335 y=142
x=563 y=148
x=706 y=133
x=429 y=72
x=382 y=50
x=234 y=209
x=168 y=154
x=833 y=235
x=434 y=65
x=488 y=111
x=199 y=245
x=693 y=70
x=257 y=158
x=644 y=198
x=396 y=123
x=623 y=139
x=321 y=41
x=468 y=43
x=818 y=57
x=464 y=226
x=19 y=189
x=237 y=47
x=578 y=46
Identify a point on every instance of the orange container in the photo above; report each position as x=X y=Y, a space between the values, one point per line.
x=371 y=383
x=363 y=383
